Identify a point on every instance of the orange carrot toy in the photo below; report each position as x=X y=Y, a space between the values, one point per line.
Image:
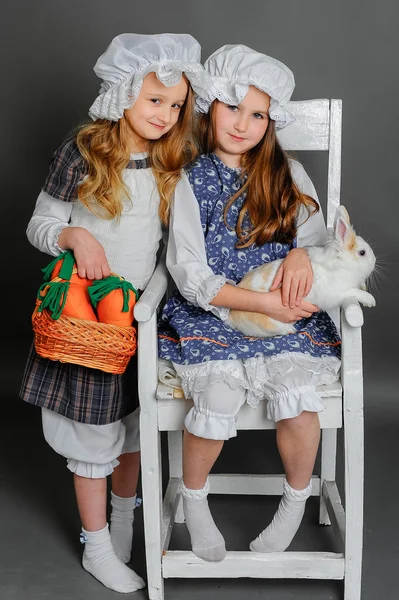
x=114 y=299
x=69 y=296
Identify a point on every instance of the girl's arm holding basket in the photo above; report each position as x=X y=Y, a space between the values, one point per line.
x=89 y=254
x=49 y=231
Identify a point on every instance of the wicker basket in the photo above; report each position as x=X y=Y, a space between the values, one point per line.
x=95 y=345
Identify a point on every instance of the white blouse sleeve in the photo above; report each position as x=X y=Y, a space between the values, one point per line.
x=49 y=218
x=311 y=231
x=186 y=255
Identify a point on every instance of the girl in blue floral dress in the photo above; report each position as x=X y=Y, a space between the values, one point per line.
x=243 y=203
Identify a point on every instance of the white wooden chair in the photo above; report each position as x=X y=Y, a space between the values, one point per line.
x=318 y=127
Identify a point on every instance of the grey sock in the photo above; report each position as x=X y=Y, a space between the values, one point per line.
x=281 y=531
x=206 y=540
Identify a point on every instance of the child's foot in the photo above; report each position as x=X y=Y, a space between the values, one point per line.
x=206 y=540
x=121 y=528
x=280 y=533
x=100 y=560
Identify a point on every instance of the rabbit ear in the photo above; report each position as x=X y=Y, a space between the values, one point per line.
x=341 y=230
x=344 y=234
x=343 y=213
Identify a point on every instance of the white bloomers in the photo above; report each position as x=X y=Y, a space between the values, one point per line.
x=91 y=450
x=219 y=389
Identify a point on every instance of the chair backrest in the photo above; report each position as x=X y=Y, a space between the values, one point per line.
x=318 y=127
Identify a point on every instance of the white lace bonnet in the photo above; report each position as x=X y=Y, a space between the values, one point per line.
x=131 y=56
x=233 y=68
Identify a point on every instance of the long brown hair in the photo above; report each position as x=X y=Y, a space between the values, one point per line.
x=170 y=153
x=273 y=199
x=104 y=146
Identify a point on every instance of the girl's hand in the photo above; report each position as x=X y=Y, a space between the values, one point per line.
x=295 y=276
x=89 y=254
x=274 y=307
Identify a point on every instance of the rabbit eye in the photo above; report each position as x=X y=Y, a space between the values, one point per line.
x=362 y=252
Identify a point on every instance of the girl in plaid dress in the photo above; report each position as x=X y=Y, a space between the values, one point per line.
x=106 y=197
x=244 y=203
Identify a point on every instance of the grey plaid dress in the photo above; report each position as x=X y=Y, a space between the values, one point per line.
x=86 y=395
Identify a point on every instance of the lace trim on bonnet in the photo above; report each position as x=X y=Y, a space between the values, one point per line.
x=116 y=98
x=277 y=113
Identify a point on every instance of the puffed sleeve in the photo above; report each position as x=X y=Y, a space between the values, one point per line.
x=186 y=255
x=54 y=204
x=310 y=231
x=67 y=169
x=49 y=218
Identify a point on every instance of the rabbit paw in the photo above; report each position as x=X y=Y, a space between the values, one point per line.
x=367 y=299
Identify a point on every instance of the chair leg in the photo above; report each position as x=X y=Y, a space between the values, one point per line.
x=352 y=379
x=175 y=446
x=328 y=462
x=175 y=450
x=354 y=481
x=152 y=512
x=151 y=472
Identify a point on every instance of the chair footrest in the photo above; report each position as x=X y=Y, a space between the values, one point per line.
x=273 y=565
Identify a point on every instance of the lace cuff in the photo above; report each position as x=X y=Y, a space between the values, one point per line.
x=297 y=495
x=53 y=240
x=204 y=423
x=195 y=494
x=91 y=470
x=207 y=291
x=291 y=403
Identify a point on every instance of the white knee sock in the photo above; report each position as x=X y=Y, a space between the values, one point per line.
x=121 y=526
x=100 y=560
x=206 y=540
x=280 y=533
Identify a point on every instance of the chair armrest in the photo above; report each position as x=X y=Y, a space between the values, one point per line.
x=353 y=312
x=153 y=293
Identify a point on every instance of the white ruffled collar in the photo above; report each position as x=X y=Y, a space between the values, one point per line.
x=138 y=155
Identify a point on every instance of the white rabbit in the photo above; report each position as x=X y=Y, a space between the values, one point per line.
x=340 y=269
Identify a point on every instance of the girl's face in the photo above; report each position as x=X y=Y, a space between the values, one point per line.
x=155 y=111
x=240 y=128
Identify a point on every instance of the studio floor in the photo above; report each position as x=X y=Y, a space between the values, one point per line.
x=39 y=542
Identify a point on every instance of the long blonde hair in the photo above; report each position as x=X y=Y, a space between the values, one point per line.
x=104 y=147
x=273 y=199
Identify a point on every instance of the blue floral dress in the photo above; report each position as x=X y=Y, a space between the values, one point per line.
x=203 y=346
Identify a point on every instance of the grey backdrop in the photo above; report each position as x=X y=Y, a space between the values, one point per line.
x=336 y=49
